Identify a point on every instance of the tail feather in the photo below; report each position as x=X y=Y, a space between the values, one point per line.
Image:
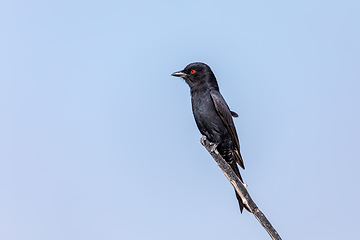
x=237 y=172
x=241 y=205
x=233 y=158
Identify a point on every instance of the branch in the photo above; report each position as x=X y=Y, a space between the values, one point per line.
x=240 y=188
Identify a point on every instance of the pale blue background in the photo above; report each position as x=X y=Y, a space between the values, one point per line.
x=97 y=140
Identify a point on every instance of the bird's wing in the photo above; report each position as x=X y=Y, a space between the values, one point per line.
x=234 y=114
x=226 y=116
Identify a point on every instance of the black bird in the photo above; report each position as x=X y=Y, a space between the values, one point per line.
x=212 y=115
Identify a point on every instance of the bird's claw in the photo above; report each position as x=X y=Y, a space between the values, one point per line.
x=212 y=145
x=203 y=139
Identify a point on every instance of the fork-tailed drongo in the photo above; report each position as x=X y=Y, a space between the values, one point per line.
x=212 y=115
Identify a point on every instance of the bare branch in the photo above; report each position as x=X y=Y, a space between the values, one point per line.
x=240 y=188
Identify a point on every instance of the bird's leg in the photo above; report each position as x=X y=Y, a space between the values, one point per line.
x=213 y=145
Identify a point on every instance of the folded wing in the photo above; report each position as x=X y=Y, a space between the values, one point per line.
x=226 y=116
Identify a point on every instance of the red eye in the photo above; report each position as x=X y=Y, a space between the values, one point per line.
x=192 y=71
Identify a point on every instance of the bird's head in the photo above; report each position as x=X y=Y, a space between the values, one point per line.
x=197 y=74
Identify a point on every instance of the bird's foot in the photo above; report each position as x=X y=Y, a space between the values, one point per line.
x=203 y=139
x=212 y=145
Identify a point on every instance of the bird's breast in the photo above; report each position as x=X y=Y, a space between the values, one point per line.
x=206 y=117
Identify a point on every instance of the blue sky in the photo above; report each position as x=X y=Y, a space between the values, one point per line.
x=97 y=140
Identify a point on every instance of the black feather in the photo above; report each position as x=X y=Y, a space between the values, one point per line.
x=212 y=115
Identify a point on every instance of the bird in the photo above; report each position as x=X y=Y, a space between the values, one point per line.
x=213 y=116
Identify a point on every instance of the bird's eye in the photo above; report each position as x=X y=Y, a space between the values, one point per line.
x=192 y=71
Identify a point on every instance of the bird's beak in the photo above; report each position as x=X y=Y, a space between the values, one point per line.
x=179 y=74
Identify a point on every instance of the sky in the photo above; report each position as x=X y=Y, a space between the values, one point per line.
x=98 y=141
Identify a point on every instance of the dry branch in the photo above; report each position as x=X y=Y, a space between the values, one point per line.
x=240 y=188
